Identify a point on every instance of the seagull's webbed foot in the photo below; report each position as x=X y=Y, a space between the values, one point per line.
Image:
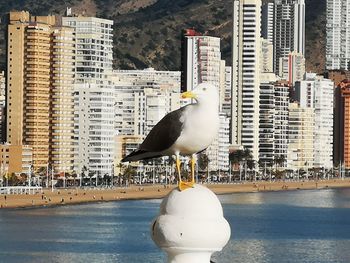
x=189 y=184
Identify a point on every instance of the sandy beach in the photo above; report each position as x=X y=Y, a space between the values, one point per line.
x=76 y=196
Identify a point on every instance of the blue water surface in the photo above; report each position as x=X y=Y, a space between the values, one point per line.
x=294 y=226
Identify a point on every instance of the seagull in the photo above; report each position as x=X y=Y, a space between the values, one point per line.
x=186 y=131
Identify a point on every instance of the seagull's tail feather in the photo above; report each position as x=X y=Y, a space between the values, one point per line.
x=140 y=155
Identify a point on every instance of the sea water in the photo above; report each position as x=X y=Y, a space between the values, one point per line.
x=292 y=226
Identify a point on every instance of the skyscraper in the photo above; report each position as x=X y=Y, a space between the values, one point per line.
x=285 y=19
x=338 y=36
x=93 y=94
x=317 y=92
x=245 y=74
x=39 y=88
x=201 y=60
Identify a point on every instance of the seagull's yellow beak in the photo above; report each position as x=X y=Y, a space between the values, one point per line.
x=188 y=95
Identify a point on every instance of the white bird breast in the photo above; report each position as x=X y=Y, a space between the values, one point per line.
x=200 y=129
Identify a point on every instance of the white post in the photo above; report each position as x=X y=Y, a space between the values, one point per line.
x=240 y=171
x=230 y=171
x=52 y=179
x=47 y=175
x=194 y=229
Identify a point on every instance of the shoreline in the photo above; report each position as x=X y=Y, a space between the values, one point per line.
x=144 y=192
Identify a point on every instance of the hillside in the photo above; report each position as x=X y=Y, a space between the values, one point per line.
x=147 y=32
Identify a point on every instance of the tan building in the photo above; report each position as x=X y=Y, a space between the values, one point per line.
x=15 y=159
x=39 y=68
x=125 y=144
x=61 y=153
x=301 y=137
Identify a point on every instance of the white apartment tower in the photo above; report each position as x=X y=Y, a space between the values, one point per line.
x=203 y=59
x=245 y=74
x=94 y=48
x=317 y=92
x=338 y=35
x=94 y=96
x=94 y=129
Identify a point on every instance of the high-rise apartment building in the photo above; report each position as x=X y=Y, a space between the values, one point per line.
x=94 y=129
x=286 y=19
x=201 y=60
x=37 y=74
x=245 y=74
x=94 y=94
x=61 y=151
x=94 y=48
x=318 y=93
x=281 y=118
x=337 y=33
x=273 y=122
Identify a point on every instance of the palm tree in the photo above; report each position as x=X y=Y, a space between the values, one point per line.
x=83 y=174
x=129 y=173
x=236 y=157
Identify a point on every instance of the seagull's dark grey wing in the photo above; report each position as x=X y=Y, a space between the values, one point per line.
x=161 y=137
x=165 y=132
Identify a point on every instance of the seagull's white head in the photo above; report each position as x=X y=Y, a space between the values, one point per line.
x=203 y=93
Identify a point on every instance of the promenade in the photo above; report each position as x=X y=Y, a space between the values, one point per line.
x=77 y=195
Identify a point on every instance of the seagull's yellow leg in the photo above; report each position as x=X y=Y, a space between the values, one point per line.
x=189 y=184
x=193 y=163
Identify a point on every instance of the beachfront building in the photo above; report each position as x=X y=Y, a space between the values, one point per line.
x=342 y=125
x=61 y=150
x=266 y=123
x=337 y=35
x=40 y=74
x=301 y=137
x=317 y=92
x=245 y=75
x=281 y=119
x=94 y=128
x=201 y=62
x=15 y=159
x=273 y=122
